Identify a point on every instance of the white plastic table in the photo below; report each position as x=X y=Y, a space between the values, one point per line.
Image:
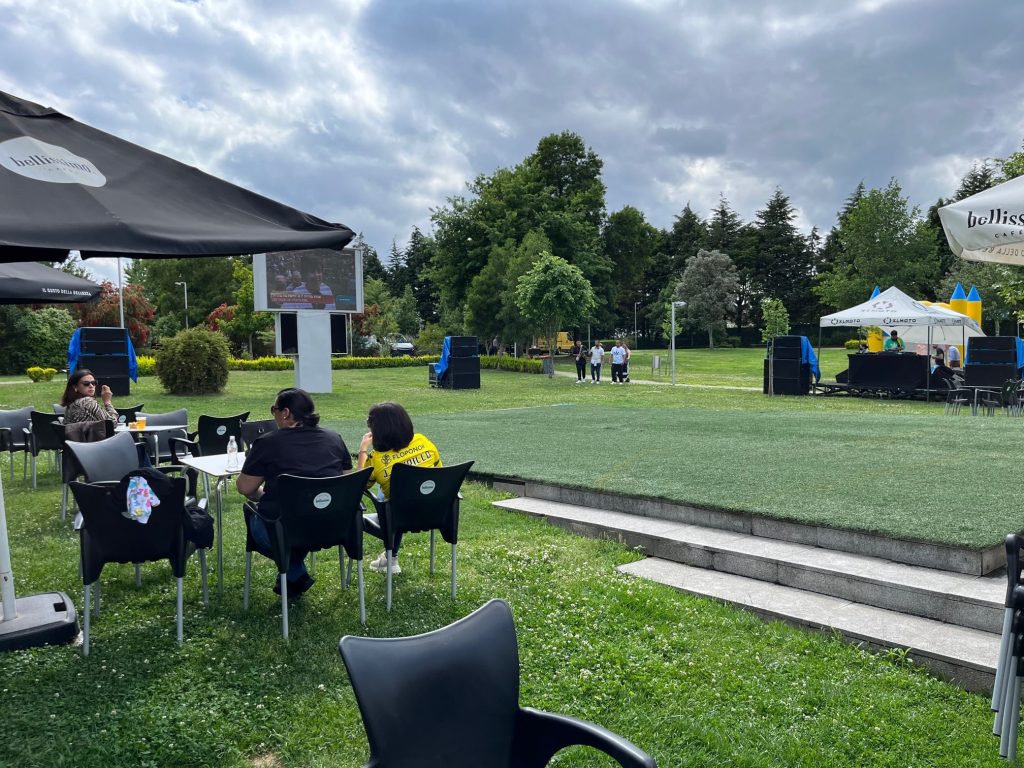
x=148 y=432
x=216 y=467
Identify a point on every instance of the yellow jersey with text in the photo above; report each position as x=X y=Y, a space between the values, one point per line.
x=419 y=453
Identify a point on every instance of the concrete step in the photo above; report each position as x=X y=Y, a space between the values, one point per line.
x=961 y=655
x=974 y=602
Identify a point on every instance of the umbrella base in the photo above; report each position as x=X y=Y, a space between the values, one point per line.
x=49 y=618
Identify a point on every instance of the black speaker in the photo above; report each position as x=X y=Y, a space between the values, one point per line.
x=989 y=374
x=787 y=353
x=464 y=346
x=788 y=342
x=93 y=347
x=785 y=369
x=993 y=356
x=119 y=385
x=992 y=342
x=102 y=334
x=463 y=365
x=791 y=377
x=105 y=365
x=462 y=380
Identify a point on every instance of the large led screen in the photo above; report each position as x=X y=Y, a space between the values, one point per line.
x=314 y=279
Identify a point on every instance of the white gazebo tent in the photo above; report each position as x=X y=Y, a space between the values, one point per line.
x=892 y=309
x=988 y=226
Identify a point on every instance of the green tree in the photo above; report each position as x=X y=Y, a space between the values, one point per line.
x=1012 y=166
x=883 y=242
x=784 y=264
x=245 y=324
x=406 y=317
x=775 y=319
x=210 y=282
x=552 y=293
x=419 y=254
x=709 y=287
x=630 y=244
x=105 y=310
x=34 y=337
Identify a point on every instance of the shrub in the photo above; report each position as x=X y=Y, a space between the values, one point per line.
x=146 y=364
x=346 y=363
x=430 y=339
x=515 y=364
x=34 y=337
x=852 y=344
x=193 y=362
x=261 y=364
x=41 y=374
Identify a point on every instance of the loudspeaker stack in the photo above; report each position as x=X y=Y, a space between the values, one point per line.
x=791 y=376
x=104 y=351
x=993 y=360
x=463 y=364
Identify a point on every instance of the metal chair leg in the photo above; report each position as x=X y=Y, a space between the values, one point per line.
x=180 y=612
x=284 y=605
x=248 y=575
x=205 y=579
x=453 y=571
x=341 y=565
x=138 y=575
x=64 y=502
x=96 y=607
x=33 y=471
x=312 y=564
x=348 y=574
x=432 y=553
x=388 y=569
x=362 y=598
x=85 y=630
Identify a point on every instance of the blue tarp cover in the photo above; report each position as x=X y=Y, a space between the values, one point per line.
x=442 y=365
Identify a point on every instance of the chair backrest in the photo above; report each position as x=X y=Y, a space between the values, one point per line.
x=424 y=499
x=76 y=434
x=109 y=537
x=16 y=421
x=169 y=418
x=251 y=430
x=45 y=436
x=59 y=409
x=446 y=698
x=215 y=431
x=322 y=512
x=124 y=415
x=107 y=460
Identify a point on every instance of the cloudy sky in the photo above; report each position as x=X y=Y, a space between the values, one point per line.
x=371 y=112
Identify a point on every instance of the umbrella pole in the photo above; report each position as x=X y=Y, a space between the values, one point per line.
x=6 y=577
x=120 y=290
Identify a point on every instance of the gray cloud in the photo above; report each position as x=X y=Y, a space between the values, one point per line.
x=371 y=112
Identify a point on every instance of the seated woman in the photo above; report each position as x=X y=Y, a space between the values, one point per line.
x=79 y=399
x=298 y=447
x=393 y=441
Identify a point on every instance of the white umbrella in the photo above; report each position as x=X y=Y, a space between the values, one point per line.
x=988 y=226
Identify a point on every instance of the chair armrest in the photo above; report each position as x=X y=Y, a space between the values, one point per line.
x=539 y=735
x=190 y=447
x=30 y=440
x=6 y=440
x=377 y=503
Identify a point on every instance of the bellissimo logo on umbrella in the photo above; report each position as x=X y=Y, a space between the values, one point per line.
x=47 y=162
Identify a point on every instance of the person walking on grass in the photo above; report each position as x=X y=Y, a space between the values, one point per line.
x=618 y=362
x=596 y=358
x=579 y=354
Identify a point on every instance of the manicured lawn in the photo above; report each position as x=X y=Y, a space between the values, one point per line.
x=693 y=682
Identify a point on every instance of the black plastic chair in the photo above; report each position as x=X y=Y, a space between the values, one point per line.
x=59 y=409
x=42 y=437
x=125 y=415
x=315 y=513
x=212 y=436
x=252 y=430
x=956 y=398
x=109 y=537
x=78 y=433
x=13 y=438
x=170 y=418
x=450 y=699
x=422 y=499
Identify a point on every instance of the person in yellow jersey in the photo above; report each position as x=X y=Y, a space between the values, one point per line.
x=393 y=441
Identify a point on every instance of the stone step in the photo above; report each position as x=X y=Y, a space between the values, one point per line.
x=966 y=657
x=964 y=600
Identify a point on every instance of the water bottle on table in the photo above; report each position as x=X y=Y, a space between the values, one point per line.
x=232 y=453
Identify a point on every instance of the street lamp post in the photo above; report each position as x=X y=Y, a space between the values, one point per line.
x=184 y=285
x=636 y=338
x=675 y=304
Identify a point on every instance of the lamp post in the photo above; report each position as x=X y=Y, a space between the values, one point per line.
x=636 y=339
x=184 y=285
x=675 y=304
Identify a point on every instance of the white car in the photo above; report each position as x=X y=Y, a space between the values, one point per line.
x=400 y=345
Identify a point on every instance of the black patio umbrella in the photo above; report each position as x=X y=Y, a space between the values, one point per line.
x=33 y=283
x=66 y=186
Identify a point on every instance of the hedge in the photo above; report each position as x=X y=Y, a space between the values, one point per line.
x=507 y=363
x=36 y=373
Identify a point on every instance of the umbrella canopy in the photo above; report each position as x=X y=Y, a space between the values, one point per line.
x=988 y=226
x=67 y=186
x=892 y=308
x=32 y=283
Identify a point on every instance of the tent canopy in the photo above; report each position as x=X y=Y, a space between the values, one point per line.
x=988 y=226
x=32 y=283
x=893 y=309
x=67 y=186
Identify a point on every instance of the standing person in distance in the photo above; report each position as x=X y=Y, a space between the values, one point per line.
x=596 y=358
x=618 y=362
x=579 y=354
x=393 y=440
x=954 y=356
x=894 y=343
x=298 y=447
x=625 y=370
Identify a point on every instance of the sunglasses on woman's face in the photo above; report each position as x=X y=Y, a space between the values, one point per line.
x=90 y=383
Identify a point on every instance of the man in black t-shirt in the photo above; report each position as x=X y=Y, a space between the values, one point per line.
x=298 y=447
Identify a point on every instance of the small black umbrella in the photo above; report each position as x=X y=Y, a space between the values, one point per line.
x=65 y=186
x=32 y=283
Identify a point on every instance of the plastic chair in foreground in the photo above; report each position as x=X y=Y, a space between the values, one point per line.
x=315 y=513
x=450 y=699
x=79 y=432
x=422 y=499
x=109 y=537
x=13 y=437
x=252 y=430
x=40 y=437
x=212 y=435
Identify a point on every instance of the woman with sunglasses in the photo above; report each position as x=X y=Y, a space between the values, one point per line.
x=80 y=402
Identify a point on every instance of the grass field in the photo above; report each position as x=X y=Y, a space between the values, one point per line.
x=693 y=682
